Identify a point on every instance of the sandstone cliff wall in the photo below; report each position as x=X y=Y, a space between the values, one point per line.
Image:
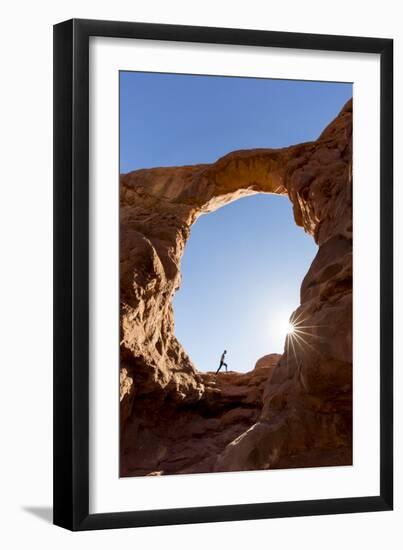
x=295 y=410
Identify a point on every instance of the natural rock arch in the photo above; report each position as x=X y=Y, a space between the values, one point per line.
x=301 y=402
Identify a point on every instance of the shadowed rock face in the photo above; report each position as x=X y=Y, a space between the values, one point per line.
x=170 y=437
x=290 y=411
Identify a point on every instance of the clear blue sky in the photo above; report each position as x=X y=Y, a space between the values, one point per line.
x=243 y=264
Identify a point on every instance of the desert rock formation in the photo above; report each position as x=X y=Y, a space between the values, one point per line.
x=290 y=410
x=188 y=438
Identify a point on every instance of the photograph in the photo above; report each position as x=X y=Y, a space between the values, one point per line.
x=201 y=266
x=236 y=273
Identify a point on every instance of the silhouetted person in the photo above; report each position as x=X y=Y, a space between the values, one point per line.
x=222 y=363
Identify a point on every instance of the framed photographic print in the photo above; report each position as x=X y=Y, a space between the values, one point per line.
x=223 y=274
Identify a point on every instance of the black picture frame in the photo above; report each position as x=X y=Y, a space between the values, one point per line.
x=71 y=274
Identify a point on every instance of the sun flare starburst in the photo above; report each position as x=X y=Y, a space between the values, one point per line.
x=300 y=337
x=294 y=332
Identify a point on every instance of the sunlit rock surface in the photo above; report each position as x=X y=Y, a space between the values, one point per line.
x=289 y=411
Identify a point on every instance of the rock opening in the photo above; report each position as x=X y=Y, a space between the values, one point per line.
x=291 y=410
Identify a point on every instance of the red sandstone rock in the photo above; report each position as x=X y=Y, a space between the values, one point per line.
x=168 y=438
x=296 y=413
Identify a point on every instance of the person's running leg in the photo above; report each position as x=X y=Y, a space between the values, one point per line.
x=218 y=370
x=226 y=367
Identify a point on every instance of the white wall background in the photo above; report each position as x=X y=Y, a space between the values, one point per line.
x=26 y=274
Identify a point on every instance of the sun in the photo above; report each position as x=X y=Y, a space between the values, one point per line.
x=281 y=328
x=292 y=334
